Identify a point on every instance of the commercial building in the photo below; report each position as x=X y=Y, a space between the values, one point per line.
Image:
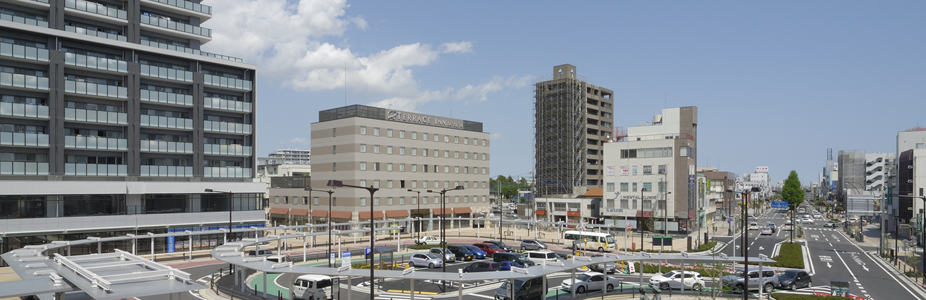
x=572 y=121
x=586 y=208
x=113 y=121
x=653 y=171
x=394 y=151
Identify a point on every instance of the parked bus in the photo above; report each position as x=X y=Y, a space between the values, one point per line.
x=583 y=240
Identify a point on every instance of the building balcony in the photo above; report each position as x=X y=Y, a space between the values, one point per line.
x=96 y=90
x=25 y=53
x=95 y=33
x=20 y=110
x=204 y=12
x=166 y=73
x=23 y=168
x=178 y=29
x=235 y=150
x=95 y=9
x=226 y=172
x=95 y=143
x=96 y=63
x=166 y=171
x=227 y=127
x=227 y=82
x=25 y=82
x=95 y=116
x=166 y=147
x=166 y=122
x=166 y=98
x=23 y=139
x=188 y=50
x=21 y=20
x=37 y=4
x=229 y=105
x=81 y=169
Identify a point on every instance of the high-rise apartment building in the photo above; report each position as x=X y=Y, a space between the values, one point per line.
x=113 y=121
x=572 y=121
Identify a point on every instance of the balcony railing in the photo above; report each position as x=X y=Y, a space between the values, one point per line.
x=79 y=169
x=231 y=105
x=227 y=82
x=206 y=9
x=166 y=147
x=93 y=89
x=23 y=110
x=22 y=20
x=23 y=52
x=23 y=139
x=95 y=143
x=188 y=50
x=227 y=127
x=23 y=81
x=98 y=63
x=166 y=73
x=166 y=171
x=237 y=150
x=226 y=172
x=95 y=116
x=187 y=28
x=23 y=168
x=166 y=98
x=95 y=8
x=105 y=35
x=166 y=122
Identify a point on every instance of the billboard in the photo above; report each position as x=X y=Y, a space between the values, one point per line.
x=762 y=169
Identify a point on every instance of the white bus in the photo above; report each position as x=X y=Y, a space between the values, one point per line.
x=583 y=240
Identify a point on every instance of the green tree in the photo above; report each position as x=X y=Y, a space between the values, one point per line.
x=793 y=193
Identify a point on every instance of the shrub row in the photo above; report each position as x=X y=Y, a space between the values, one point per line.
x=783 y=296
x=706 y=246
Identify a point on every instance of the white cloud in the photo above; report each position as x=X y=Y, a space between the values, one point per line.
x=480 y=92
x=360 y=22
x=461 y=47
x=298 y=141
x=495 y=136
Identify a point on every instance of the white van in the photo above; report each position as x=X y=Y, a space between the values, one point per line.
x=541 y=255
x=261 y=252
x=312 y=287
x=279 y=258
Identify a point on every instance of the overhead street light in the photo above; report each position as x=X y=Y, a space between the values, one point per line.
x=372 y=190
x=443 y=228
x=329 y=217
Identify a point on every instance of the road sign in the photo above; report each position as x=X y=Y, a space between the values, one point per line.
x=780 y=204
x=345 y=259
x=729 y=220
x=629 y=228
x=367 y=251
x=331 y=258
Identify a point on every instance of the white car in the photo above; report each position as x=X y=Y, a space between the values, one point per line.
x=591 y=281
x=753 y=226
x=673 y=280
x=806 y=221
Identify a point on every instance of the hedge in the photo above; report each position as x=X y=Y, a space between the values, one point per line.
x=706 y=246
x=783 y=296
x=789 y=256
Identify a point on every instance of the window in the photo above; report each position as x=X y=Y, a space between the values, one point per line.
x=483 y=199
x=610 y=187
x=436 y=153
x=424 y=136
x=376 y=166
x=424 y=168
x=634 y=187
x=456 y=140
x=305 y=200
x=456 y=154
x=334 y=132
x=686 y=152
x=414 y=151
x=465 y=155
x=647 y=169
x=414 y=200
x=456 y=170
x=334 y=201
x=334 y=149
x=446 y=138
x=376 y=149
x=483 y=156
x=401 y=167
x=363 y=130
x=414 y=168
x=389 y=201
x=388 y=167
x=424 y=184
x=466 y=141
x=634 y=170
x=483 y=184
x=648 y=186
x=414 y=135
x=401 y=134
x=446 y=153
x=447 y=169
x=388 y=184
x=414 y=184
x=466 y=185
x=437 y=137
x=363 y=201
x=363 y=166
x=375 y=201
x=363 y=182
x=661 y=169
x=388 y=149
x=334 y=167
x=315 y=201
x=401 y=200
x=363 y=148
x=465 y=170
x=276 y=199
x=424 y=152
x=424 y=200
x=625 y=187
x=375 y=131
x=388 y=132
x=662 y=186
x=484 y=171
x=446 y=184
x=484 y=142
x=376 y=183
x=401 y=150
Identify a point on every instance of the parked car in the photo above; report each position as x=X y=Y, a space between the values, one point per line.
x=521 y=289
x=261 y=252
x=428 y=240
x=673 y=280
x=508 y=256
x=533 y=245
x=794 y=279
x=830 y=224
x=506 y=265
x=482 y=267
x=449 y=257
x=461 y=252
x=499 y=244
x=542 y=255
x=767 y=282
x=772 y=226
x=311 y=286
x=751 y=218
x=608 y=267
x=490 y=249
x=806 y=221
x=590 y=281
x=279 y=258
x=753 y=226
x=425 y=259
x=478 y=253
x=765 y=231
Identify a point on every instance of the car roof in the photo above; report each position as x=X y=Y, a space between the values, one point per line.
x=593 y=273
x=313 y=277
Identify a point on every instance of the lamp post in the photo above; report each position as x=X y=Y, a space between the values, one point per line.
x=922 y=232
x=641 y=221
x=229 y=194
x=372 y=190
x=443 y=228
x=418 y=212
x=329 y=217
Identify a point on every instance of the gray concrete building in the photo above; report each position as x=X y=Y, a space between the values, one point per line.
x=113 y=121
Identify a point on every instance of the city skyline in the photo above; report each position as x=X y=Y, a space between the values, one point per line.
x=776 y=84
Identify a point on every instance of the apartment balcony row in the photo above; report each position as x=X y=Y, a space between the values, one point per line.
x=22 y=81
x=96 y=9
x=22 y=20
x=188 y=50
x=23 y=139
x=186 y=30
x=95 y=143
x=95 y=116
x=203 y=11
x=166 y=98
x=166 y=171
x=20 y=52
x=227 y=127
x=83 y=169
x=96 y=63
x=96 y=33
x=229 y=105
x=95 y=89
x=232 y=150
x=23 y=168
x=22 y=110
x=166 y=73
x=227 y=82
x=166 y=147
x=166 y=122
x=226 y=172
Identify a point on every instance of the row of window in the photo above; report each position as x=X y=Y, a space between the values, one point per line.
x=414 y=152
x=424 y=184
x=683 y=151
x=414 y=136
x=112 y=160
x=632 y=204
x=377 y=166
x=376 y=200
x=647 y=170
x=626 y=187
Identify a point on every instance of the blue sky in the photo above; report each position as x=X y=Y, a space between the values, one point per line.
x=776 y=83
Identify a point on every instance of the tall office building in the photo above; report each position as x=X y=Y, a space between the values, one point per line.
x=572 y=121
x=113 y=121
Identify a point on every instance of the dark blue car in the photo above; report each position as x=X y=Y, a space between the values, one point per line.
x=506 y=265
x=476 y=251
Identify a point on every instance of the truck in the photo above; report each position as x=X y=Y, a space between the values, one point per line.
x=428 y=240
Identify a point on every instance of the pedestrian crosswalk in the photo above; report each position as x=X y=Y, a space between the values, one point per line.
x=814 y=290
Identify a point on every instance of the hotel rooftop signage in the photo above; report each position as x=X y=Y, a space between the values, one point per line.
x=396 y=116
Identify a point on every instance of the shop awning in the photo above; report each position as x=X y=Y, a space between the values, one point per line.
x=321 y=213
x=574 y=213
x=299 y=212
x=365 y=215
x=279 y=210
x=397 y=213
x=438 y=212
x=541 y=212
x=462 y=210
x=341 y=215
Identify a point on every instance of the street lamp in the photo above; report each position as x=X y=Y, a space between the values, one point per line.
x=329 y=217
x=922 y=231
x=229 y=194
x=640 y=222
x=372 y=190
x=418 y=212
x=443 y=228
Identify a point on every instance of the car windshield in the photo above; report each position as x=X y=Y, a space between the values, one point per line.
x=431 y=256
x=583 y=277
x=669 y=275
x=739 y=273
x=502 y=244
x=787 y=275
x=493 y=246
x=610 y=239
x=465 y=250
x=523 y=256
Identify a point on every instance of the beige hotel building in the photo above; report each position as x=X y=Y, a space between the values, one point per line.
x=394 y=151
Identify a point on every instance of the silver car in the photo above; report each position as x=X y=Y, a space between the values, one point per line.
x=607 y=268
x=450 y=257
x=425 y=259
x=533 y=245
